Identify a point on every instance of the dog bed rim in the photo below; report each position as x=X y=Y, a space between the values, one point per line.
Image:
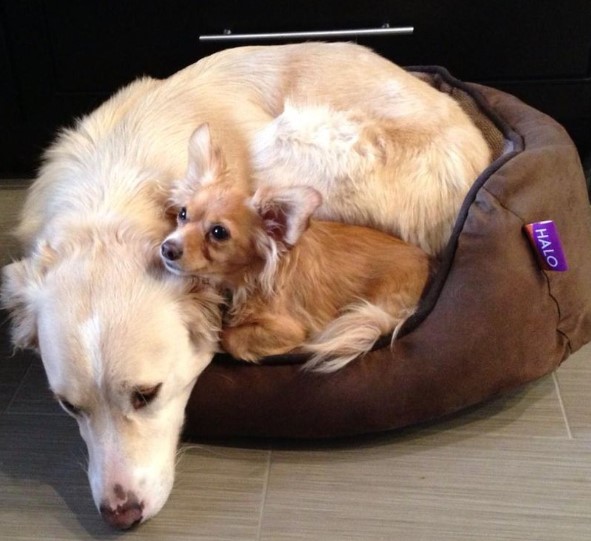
x=514 y=145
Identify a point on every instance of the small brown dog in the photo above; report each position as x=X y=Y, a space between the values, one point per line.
x=331 y=288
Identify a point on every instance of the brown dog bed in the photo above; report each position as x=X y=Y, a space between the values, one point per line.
x=490 y=320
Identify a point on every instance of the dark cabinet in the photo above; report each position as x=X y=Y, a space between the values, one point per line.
x=58 y=60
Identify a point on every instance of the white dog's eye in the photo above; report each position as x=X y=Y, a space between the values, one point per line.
x=182 y=216
x=69 y=407
x=140 y=398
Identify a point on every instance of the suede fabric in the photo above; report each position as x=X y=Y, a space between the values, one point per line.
x=490 y=321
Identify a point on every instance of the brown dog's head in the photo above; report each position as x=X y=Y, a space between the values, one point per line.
x=224 y=232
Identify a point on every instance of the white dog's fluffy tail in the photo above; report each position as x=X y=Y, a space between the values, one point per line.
x=352 y=334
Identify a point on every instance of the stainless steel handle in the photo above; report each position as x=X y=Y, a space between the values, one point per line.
x=326 y=34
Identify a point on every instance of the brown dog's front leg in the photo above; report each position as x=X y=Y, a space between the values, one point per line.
x=268 y=336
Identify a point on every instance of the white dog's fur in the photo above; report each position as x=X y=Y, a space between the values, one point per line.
x=90 y=294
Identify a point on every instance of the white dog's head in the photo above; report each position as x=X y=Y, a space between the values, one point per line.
x=122 y=347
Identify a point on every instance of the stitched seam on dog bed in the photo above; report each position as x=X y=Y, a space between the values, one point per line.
x=544 y=273
x=438 y=280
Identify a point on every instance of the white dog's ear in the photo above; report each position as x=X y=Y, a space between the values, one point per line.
x=20 y=284
x=206 y=161
x=286 y=212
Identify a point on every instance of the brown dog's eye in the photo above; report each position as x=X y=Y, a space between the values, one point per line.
x=219 y=232
x=182 y=216
x=140 y=398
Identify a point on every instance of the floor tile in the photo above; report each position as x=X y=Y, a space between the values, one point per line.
x=574 y=381
x=44 y=492
x=423 y=486
x=533 y=410
x=13 y=364
x=11 y=201
x=33 y=395
x=6 y=394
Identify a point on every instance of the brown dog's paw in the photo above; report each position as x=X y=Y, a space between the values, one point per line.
x=237 y=341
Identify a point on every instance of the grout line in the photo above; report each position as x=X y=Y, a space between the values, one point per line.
x=569 y=432
x=15 y=183
x=35 y=413
x=10 y=410
x=18 y=388
x=264 y=495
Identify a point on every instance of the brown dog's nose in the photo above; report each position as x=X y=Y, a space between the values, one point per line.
x=124 y=516
x=171 y=250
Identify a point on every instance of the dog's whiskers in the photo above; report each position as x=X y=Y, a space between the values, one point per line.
x=183 y=449
x=83 y=462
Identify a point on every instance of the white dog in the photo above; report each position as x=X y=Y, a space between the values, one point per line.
x=121 y=341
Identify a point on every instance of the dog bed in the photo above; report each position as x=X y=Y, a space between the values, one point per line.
x=490 y=320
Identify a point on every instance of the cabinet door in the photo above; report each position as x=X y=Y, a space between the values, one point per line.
x=66 y=57
x=491 y=39
x=61 y=59
x=72 y=50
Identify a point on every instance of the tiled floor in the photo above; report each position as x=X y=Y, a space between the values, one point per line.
x=517 y=468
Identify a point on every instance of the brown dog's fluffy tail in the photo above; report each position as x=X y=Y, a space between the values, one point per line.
x=352 y=334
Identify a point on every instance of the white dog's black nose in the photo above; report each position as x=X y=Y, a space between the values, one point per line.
x=171 y=250
x=124 y=516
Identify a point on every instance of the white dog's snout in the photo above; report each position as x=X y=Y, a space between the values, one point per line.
x=129 y=484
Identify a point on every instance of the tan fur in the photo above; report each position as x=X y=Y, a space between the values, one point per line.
x=332 y=288
x=325 y=275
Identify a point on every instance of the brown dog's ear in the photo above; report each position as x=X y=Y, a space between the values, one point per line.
x=286 y=212
x=206 y=161
x=20 y=283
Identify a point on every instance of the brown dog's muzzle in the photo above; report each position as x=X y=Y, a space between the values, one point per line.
x=171 y=250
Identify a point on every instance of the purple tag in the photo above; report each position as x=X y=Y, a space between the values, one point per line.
x=546 y=242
